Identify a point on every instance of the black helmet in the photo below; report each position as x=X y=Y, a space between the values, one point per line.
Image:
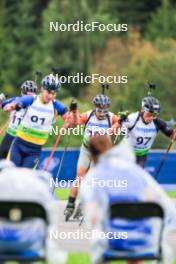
x=151 y=104
x=51 y=83
x=101 y=101
x=29 y=86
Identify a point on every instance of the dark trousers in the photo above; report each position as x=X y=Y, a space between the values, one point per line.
x=141 y=160
x=5 y=145
x=24 y=154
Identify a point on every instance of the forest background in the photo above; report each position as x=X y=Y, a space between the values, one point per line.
x=145 y=52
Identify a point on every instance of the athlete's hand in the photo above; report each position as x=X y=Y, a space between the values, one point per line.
x=9 y=107
x=2 y=97
x=173 y=136
x=123 y=116
x=114 y=128
x=71 y=119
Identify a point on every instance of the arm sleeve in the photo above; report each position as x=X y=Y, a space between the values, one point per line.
x=83 y=118
x=114 y=119
x=163 y=127
x=4 y=103
x=26 y=100
x=61 y=109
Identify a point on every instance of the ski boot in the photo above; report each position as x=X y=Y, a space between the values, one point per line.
x=78 y=214
x=69 y=210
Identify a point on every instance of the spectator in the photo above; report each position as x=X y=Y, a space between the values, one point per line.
x=117 y=165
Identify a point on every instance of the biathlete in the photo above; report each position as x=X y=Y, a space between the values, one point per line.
x=34 y=129
x=27 y=88
x=96 y=121
x=143 y=127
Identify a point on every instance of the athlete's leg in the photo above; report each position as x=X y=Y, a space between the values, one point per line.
x=31 y=156
x=141 y=160
x=15 y=153
x=30 y=161
x=5 y=146
x=81 y=171
x=83 y=166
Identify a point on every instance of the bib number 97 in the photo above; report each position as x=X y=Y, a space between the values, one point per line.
x=143 y=140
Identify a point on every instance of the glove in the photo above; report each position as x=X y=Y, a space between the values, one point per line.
x=18 y=106
x=123 y=116
x=73 y=106
x=171 y=123
x=2 y=97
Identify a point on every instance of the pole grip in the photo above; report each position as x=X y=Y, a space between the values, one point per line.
x=73 y=106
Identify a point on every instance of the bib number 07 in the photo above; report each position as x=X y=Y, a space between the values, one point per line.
x=36 y=119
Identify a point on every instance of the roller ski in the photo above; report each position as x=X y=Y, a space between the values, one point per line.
x=69 y=210
x=78 y=215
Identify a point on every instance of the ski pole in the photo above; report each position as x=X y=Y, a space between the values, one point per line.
x=5 y=125
x=164 y=158
x=104 y=87
x=61 y=161
x=53 y=151
x=73 y=108
x=151 y=86
x=37 y=74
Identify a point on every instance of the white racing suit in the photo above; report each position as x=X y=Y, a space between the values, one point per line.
x=93 y=126
x=116 y=178
x=26 y=238
x=141 y=136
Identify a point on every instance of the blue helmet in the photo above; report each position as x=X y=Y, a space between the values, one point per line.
x=51 y=83
x=101 y=101
x=151 y=104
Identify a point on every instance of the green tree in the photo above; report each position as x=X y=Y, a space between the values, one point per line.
x=18 y=31
x=161 y=70
x=163 y=23
x=8 y=10
x=135 y=13
x=71 y=52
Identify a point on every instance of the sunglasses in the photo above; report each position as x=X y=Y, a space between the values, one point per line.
x=101 y=111
x=154 y=115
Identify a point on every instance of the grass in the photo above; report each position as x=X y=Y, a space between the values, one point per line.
x=172 y=194
x=63 y=193
x=81 y=258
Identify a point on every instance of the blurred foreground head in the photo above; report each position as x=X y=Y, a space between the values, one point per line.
x=98 y=145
